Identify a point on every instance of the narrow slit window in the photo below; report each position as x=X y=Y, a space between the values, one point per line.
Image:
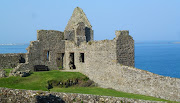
x=82 y=57
x=48 y=55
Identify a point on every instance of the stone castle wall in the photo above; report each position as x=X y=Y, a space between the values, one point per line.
x=30 y=96
x=52 y=41
x=124 y=48
x=96 y=52
x=132 y=80
x=11 y=60
x=44 y=51
x=101 y=54
x=104 y=63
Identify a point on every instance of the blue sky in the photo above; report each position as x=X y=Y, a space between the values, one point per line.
x=147 y=20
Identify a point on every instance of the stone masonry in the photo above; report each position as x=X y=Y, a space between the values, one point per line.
x=11 y=60
x=110 y=63
x=32 y=96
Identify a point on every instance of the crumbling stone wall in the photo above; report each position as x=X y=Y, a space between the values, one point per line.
x=44 y=51
x=32 y=96
x=103 y=63
x=11 y=60
x=51 y=41
x=124 y=48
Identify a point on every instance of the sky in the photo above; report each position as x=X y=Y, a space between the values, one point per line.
x=146 y=20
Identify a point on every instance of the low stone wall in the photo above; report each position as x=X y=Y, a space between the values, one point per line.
x=132 y=80
x=30 y=96
x=10 y=60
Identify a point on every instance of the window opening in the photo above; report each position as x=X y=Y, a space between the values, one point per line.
x=47 y=55
x=81 y=59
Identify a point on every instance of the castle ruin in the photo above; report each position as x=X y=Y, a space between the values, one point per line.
x=75 y=48
x=109 y=63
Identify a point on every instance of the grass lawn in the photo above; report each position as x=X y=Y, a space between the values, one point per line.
x=7 y=71
x=106 y=92
x=38 y=81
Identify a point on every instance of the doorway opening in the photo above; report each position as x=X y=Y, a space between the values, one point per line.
x=59 y=60
x=71 y=61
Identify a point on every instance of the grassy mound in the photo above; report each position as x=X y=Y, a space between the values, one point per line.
x=41 y=80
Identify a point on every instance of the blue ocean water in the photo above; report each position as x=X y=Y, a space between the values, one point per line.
x=159 y=58
x=13 y=48
x=163 y=59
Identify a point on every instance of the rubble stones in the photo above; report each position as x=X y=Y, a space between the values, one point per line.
x=24 y=73
x=2 y=73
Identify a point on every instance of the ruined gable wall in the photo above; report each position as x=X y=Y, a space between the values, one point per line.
x=10 y=60
x=78 y=16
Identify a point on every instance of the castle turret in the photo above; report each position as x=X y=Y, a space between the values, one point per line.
x=78 y=27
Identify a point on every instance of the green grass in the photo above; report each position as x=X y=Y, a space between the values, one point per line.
x=7 y=71
x=106 y=92
x=38 y=81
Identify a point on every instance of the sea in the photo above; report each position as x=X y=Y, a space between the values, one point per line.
x=161 y=58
